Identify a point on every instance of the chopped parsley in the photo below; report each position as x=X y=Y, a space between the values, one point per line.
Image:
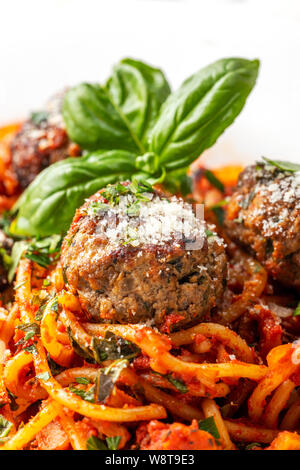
x=87 y=395
x=31 y=349
x=30 y=330
x=179 y=384
x=82 y=380
x=42 y=251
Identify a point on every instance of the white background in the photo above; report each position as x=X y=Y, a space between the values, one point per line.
x=48 y=44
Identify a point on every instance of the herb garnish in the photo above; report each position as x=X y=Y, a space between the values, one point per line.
x=111 y=347
x=297 y=311
x=31 y=330
x=87 y=395
x=37 y=117
x=94 y=443
x=113 y=442
x=179 y=384
x=82 y=380
x=283 y=165
x=107 y=378
x=209 y=426
x=214 y=181
x=150 y=145
x=5 y=427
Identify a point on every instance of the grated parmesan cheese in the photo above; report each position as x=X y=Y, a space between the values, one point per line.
x=159 y=220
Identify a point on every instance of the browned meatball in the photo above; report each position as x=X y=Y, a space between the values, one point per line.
x=129 y=262
x=41 y=141
x=263 y=215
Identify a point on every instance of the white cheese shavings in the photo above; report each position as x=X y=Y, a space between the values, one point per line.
x=157 y=221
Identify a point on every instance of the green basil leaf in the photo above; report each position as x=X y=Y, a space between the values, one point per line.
x=54 y=367
x=179 y=384
x=82 y=380
x=194 y=116
x=13 y=403
x=94 y=443
x=214 y=181
x=113 y=442
x=297 y=311
x=113 y=347
x=49 y=203
x=119 y=114
x=107 y=378
x=87 y=395
x=179 y=182
x=283 y=165
x=37 y=117
x=209 y=426
x=18 y=250
x=5 y=426
x=253 y=444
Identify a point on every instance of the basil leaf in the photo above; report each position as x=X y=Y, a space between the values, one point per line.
x=49 y=203
x=87 y=395
x=94 y=443
x=13 y=404
x=214 y=181
x=54 y=367
x=82 y=380
x=253 y=444
x=37 y=117
x=219 y=213
x=209 y=426
x=179 y=182
x=5 y=426
x=113 y=347
x=119 y=114
x=18 y=250
x=30 y=330
x=107 y=378
x=283 y=165
x=297 y=311
x=82 y=351
x=113 y=442
x=179 y=384
x=192 y=118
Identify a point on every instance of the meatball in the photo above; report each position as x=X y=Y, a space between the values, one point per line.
x=263 y=216
x=135 y=256
x=41 y=141
x=6 y=244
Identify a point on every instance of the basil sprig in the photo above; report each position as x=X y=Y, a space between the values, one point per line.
x=151 y=141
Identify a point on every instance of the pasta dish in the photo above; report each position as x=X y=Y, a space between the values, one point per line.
x=147 y=301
